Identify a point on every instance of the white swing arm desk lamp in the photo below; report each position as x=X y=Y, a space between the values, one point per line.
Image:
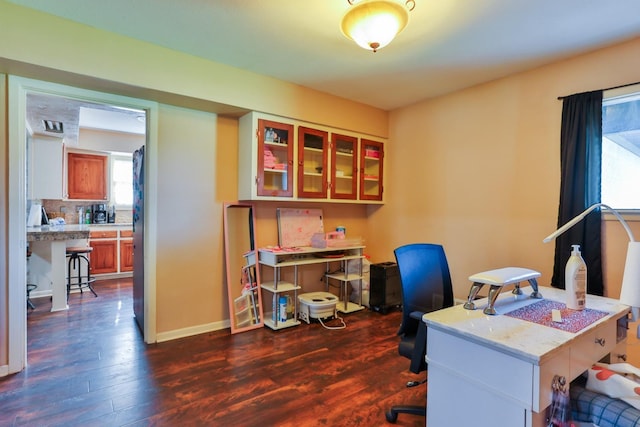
x=630 y=293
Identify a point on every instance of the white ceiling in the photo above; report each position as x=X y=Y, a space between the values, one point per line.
x=448 y=44
x=75 y=114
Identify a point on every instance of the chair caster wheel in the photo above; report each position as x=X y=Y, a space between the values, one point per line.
x=391 y=416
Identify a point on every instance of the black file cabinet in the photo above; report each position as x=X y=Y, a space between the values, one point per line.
x=385 y=290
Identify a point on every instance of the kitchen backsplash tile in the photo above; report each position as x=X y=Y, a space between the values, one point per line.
x=69 y=211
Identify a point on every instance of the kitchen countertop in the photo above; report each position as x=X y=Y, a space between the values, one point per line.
x=57 y=232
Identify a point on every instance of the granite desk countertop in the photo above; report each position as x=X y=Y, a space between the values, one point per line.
x=57 y=232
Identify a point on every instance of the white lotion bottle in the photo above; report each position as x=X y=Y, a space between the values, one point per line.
x=575 y=280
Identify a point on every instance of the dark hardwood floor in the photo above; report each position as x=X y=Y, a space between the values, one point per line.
x=90 y=367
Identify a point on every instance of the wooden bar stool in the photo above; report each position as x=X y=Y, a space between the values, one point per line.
x=77 y=254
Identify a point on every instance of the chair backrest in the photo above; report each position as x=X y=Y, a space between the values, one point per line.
x=426 y=281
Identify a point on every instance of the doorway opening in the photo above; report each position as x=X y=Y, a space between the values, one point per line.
x=85 y=121
x=61 y=130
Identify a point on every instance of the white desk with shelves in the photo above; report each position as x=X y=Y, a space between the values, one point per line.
x=279 y=259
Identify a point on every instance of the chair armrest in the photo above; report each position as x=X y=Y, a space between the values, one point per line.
x=417 y=315
x=418 y=363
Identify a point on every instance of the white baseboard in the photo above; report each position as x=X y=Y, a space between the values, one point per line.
x=40 y=294
x=194 y=330
x=106 y=276
x=4 y=370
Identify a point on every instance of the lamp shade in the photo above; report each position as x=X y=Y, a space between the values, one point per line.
x=373 y=24
x=630 y=292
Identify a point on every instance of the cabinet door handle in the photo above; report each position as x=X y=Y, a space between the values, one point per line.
x=600 y=341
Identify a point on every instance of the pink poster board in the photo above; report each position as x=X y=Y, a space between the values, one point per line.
x=297 y=226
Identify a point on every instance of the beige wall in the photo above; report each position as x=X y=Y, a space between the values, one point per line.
x=197 y=152
x=117 y=64
x=478 y=170
x=188 y=257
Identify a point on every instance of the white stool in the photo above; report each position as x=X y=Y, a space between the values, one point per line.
x=498 y=279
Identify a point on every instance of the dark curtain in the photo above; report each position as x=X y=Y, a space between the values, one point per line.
x=580 y=158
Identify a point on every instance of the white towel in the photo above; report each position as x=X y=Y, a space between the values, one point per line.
x=618 y=380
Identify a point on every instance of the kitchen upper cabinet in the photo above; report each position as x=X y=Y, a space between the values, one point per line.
x=45 y=168
x=313 y=147
x=344 y=167
x=87 y=176
x=371 y=162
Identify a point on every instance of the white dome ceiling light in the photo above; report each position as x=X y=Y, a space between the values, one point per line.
x=373 y=24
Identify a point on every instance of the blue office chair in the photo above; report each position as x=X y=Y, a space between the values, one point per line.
x=426 y=287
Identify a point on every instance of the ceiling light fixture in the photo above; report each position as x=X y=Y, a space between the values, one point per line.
x=373 y=24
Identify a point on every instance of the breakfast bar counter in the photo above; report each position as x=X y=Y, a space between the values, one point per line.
x=49 y=243
x=58 y=232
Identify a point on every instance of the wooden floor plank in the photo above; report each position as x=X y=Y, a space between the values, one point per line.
x=89 y=366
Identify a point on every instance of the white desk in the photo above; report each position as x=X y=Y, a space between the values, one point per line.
x=51 y=244
x=306 y=256
x=497 y=370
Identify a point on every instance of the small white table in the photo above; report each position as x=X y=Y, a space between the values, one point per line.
x=497 y=370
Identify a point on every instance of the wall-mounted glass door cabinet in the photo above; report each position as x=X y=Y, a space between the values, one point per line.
x=282 y=159
x=275 y=171
x=371 y=161
x=313 y=146
x=344 y=167
x=265 y=158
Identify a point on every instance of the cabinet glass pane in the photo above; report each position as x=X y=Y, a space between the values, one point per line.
x=312 y=164
x=275 y=161
x=371 y=157
x=344 y=167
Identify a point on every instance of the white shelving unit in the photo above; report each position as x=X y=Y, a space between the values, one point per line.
x=343 y=278
x=306 y=256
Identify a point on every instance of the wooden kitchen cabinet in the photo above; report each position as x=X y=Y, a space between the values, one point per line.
x=329 y=164
x=87 y=176
x=344 y=167
x=371 y=169
x=104 y=257
x=265 y=163
x=313 y=147
x=126 y=250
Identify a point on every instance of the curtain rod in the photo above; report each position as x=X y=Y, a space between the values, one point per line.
x=560 y=98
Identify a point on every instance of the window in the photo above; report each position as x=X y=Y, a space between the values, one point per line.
x=122 y=180
x=621 y=151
